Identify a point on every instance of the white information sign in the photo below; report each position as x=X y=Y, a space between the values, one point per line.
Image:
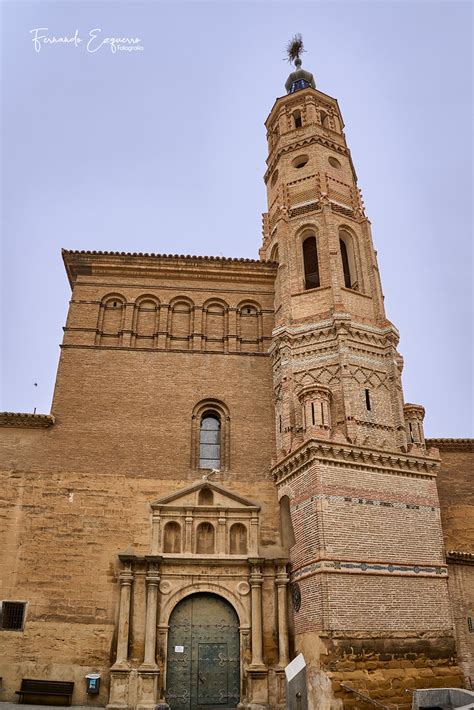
x=179 y=649
x=293 y=668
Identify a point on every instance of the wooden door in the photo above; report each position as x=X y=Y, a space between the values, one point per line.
x=203 y=671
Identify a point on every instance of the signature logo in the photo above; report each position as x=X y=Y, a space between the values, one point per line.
x=94 y=42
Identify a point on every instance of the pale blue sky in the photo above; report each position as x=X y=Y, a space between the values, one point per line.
x=164 y=150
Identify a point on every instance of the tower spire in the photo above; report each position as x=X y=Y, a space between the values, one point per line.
x=299 y=79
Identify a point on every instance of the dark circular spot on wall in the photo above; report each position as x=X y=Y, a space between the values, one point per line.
x=296 y=596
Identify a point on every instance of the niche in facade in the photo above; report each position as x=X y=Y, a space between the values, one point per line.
x=172 y=537
x=238 y=539
x=205 y=539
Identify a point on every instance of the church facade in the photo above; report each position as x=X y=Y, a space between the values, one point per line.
x=230 y=475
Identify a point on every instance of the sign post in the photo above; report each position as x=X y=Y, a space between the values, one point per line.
x=295 y=682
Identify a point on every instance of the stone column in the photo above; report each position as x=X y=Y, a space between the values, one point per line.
x=152 y=581
x=256 y=581
x=148 y=673
x=155 y=531
x=188 y=531
x=126 y=580
x=120 y=671
x=253 y=543
x=281 y=582
x=222 y=535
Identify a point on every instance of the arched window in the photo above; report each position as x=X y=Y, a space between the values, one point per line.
x=205 y=497
x=205 y=434
x=311 y=266
x=274 y=256
x=297 y=119
x=172 y=537
x=286 y=525
x=324 y=119
x=347 y=244
x=210 y=440
x=345 y=264
x=205 y=539
x=238 y=539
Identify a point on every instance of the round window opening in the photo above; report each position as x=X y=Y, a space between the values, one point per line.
x=334 y=162
x=300 y=161
x=296 y=596
x=274 y=177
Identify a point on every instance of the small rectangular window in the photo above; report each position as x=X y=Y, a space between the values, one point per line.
x=12 y=616
x=470 y=624
x=312 y=413
x=367 y=400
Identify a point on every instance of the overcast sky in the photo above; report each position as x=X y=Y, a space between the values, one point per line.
x=163 y=150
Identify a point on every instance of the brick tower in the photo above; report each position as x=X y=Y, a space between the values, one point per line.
x=367 y=566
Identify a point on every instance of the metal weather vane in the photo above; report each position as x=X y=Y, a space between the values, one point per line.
x=294 y=49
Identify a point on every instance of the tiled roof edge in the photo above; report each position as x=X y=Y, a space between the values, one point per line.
x=26 y=420
x=453 y=444
x=86 y=252
x=460 y=556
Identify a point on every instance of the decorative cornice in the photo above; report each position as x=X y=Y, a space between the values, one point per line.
x=25 y=420
x=172 y=499
x=452 y=444
x=352 y=456
x=73 y=252
x=460 y=557
x=99 y=262
x=341 y=320
x=393 y=569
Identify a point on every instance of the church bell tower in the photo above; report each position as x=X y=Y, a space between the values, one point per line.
x=351 y=467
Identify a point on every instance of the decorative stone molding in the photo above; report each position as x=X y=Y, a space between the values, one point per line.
x=356 y=457
x=378 y=568
x=451 y=444
x=204 y=503
x=88 y=263
x=26 y=421
x=460 y=557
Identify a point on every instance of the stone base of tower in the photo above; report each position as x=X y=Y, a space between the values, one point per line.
x=381 y=666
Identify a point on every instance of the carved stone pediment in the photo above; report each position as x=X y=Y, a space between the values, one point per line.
x=205 y=519
x=192 y=496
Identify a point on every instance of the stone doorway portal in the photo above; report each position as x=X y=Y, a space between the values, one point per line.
x=203 y=669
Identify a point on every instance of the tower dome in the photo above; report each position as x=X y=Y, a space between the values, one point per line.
x=299 y=79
